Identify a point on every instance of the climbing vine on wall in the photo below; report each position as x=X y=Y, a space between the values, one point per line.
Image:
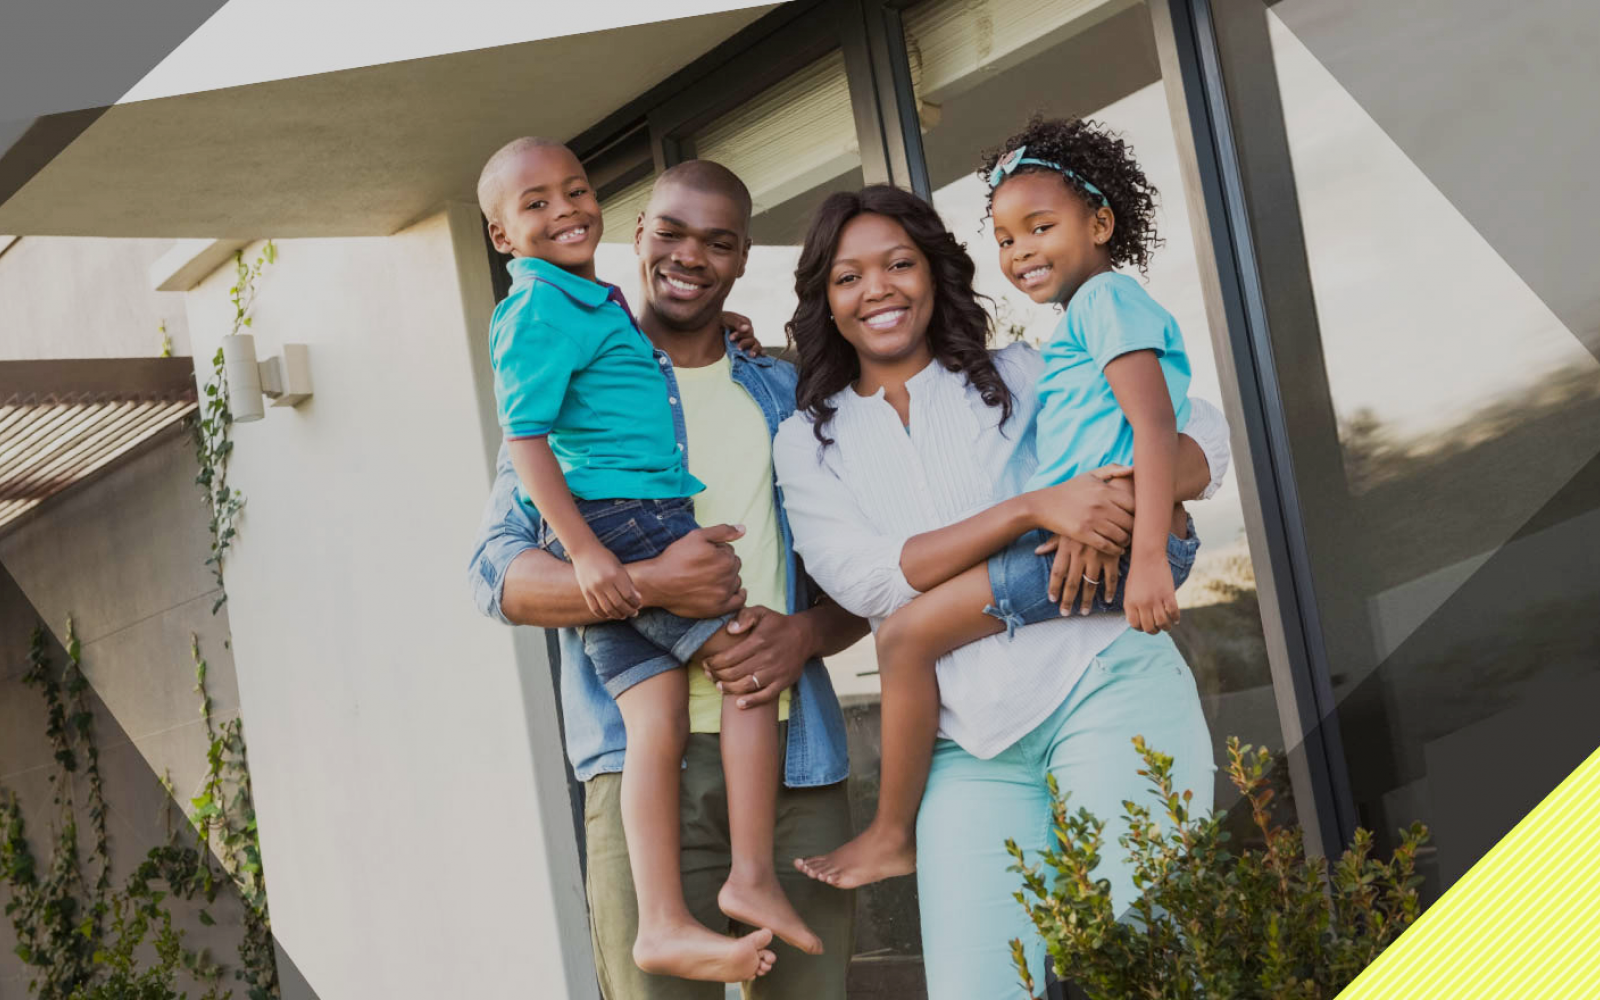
x=85 y=940
x=57 y=911
x=213 y=430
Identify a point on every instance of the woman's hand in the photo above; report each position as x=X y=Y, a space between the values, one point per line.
x=1078 y=573
x=743 y=333
x=1088 y=508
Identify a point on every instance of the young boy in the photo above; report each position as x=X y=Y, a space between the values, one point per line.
x=590 y=430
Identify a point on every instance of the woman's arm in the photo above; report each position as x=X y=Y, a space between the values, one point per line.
x=872 y=574
x=1086 y=507
x=856 y=565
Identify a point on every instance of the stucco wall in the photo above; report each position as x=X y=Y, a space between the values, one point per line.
x=124 y=555
x=399 y=754
x=82 y=297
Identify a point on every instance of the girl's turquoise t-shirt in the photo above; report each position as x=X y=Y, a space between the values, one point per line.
x=1080 y=425
x=571 y=364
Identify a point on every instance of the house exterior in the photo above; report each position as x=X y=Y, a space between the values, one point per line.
x=1377 y=241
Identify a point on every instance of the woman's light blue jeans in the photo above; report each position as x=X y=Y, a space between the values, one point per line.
x=1138 y=686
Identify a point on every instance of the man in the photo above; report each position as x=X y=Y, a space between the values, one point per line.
x=692 y=242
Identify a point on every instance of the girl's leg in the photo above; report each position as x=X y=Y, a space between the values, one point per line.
x=909 y=643
x=969 y=917
x=670 y=941
x=750 y=764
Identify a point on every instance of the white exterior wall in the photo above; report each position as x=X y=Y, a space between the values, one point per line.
x=124 y=556
x=415 y=824
x=73 y=297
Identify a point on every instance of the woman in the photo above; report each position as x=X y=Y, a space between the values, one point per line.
x=900 y=470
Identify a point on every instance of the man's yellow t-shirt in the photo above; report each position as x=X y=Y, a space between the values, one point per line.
x=731 y=453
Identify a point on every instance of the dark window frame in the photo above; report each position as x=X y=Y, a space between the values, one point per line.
x=1206 y=121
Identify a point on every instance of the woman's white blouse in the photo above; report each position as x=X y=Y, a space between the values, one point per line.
x=854 y=503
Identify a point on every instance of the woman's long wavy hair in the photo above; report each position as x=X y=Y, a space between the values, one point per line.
x=958 y=331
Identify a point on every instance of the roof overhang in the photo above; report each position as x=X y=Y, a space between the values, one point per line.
x=63 y=421
x=358 y=152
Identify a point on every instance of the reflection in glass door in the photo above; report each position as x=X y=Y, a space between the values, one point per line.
x=1433 y=322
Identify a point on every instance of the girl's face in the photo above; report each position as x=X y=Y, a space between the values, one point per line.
x=1050 y=240
x=880 y=291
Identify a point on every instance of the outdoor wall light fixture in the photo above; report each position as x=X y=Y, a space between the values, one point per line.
x=286 y=379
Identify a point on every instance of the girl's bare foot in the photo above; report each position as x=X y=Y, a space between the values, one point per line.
x=690 y=950
x=762 y=902
x=876 y=854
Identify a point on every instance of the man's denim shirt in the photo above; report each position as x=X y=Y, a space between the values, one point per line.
x=595 y=736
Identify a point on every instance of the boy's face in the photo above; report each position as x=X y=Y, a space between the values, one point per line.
x=548 y=210
x=1050 y=241
x=692 y=248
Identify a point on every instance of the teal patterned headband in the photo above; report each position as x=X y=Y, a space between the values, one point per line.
x=1011 y=161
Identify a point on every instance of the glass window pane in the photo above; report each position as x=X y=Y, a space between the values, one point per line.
x=1446 y=414
x=793 y=144
x=614 y=259
x=1098 y=60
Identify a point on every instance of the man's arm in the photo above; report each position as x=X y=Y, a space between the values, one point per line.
x=696 y=577
x=516 y=582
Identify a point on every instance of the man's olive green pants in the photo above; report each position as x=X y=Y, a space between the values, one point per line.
x=810 y=821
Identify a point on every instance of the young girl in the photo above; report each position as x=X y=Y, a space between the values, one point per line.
x=1069 y=206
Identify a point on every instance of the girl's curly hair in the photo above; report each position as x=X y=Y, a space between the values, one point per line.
x=1101 y=157
x=958 y=330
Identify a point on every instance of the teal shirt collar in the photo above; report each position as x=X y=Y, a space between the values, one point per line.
x=583 y=291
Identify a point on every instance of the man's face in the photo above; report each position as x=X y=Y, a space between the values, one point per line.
x=692 y=247
x=547 y=210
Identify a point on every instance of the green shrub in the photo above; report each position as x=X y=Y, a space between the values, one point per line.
x=1211 y=923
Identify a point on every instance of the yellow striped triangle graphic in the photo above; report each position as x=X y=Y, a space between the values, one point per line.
x=1523 y=924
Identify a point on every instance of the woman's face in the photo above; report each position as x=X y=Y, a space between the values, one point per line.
x=880 y=290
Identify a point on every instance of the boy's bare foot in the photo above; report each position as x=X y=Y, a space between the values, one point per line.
x=874 y=855
x=764 y=904
x=692 y=951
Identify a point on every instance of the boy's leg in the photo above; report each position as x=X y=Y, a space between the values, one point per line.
x=751 y=764
x=613 y=905
x=670 y=941
x=811 y=820
x=909 y=643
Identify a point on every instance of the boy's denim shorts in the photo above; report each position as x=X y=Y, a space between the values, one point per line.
x=1020 y=580
x=653 y=641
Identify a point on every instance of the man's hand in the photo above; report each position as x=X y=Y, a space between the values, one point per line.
x=607 y=587
x=743 y=333
x=1151 y=602
x=697 y=576
x=769 y=659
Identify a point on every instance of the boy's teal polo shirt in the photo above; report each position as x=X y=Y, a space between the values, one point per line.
x=1080 y=425
x=571 y=364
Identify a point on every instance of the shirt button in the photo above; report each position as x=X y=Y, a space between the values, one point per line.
x=662 y=362
x=673 y=400
x=680 y=447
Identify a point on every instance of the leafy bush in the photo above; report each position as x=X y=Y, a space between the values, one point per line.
x=1212 y=924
